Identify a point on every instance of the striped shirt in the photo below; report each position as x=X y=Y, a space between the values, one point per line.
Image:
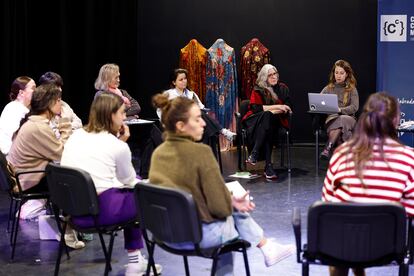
x=389 y=179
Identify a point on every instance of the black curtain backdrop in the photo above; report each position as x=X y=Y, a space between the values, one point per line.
x=74 y=38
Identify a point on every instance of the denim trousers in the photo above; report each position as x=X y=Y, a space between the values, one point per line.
x=239 y=225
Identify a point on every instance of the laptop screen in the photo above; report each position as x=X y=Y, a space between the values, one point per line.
x=323 y=103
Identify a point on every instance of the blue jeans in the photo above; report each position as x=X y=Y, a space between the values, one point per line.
x=238 y=225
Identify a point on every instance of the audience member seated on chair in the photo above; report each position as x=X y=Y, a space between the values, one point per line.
x=192 y=167
x=373 y=165
x=268 y=110
x=339 y=126
x=67 y=111
x=36 y=144
x=179 y=88
x=100 y=149
x=20 y=96
x=108 y=80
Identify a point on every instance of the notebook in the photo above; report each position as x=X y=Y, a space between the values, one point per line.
x=323 y=103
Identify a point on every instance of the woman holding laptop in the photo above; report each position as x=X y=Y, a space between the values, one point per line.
x=339 y=126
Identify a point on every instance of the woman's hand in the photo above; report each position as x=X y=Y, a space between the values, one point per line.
x=124 y=133
x=243 y=203
x=280 y=109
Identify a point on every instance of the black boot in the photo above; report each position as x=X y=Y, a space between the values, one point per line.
x=252 y=159
x=326 y=153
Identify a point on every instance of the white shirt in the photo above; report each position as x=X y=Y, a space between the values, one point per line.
x=173 y=93
x=10 y=119
x=106 y=158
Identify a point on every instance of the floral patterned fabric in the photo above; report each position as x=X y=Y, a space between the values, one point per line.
x=221 y=81
x=253 y=56
x=193 y=58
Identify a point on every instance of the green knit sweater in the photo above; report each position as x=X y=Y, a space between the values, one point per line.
x=179 y=162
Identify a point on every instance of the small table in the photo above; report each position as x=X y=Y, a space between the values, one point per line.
x=140 y=133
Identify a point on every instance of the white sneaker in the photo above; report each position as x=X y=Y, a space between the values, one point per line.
x=135 y=269
x=72 y=241
x=229 y=135
x=274 y=252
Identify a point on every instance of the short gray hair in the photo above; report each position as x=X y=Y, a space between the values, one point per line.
x=263 y=74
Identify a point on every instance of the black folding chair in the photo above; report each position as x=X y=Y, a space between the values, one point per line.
x=354 y=235
x=10 y=183
x=73 y=193
x=242 y=145
x=171 y=216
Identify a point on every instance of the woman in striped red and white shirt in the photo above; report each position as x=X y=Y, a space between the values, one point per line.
x=373 y=166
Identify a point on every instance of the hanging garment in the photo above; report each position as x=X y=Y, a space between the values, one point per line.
x=253 y=56
x=193 y=59
x=221 y=81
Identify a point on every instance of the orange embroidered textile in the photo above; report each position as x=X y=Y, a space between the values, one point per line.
x=193 y=59
x=253 y=56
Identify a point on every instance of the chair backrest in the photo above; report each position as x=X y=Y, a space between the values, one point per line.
x=244 y=107
x=6 y=181
x=169 y=214
x=72 y=190
x=356 y=232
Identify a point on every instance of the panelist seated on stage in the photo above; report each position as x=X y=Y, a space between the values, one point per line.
x=269 y=110
x=339 y=126
x=178 y=83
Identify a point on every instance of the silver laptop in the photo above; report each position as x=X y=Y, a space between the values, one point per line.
x=323 y=103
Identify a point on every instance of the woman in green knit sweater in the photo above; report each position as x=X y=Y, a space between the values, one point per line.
x=182 y=163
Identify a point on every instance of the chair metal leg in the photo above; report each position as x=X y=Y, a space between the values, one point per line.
x=15 y=228
x=219 y=155
x=305 y=269
x=151 y=262
x=243 y=151
x=246 y=261
x=10 y=214
x=13 y=220
x=317 y=151
x=214 y=266
x=108 y=266
x=288 y=151
x=105 y=252
x=61 y=245
x=187 y=270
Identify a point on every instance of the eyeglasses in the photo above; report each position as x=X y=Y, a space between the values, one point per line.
x=273 y=74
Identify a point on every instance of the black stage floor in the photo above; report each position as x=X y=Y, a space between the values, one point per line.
x=274 y=200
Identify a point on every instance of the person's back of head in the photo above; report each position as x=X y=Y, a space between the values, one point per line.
x=18 y=84
x=379 y=118
x=100 y=114
x=172 y=111
x=377 y=122
x=51 y=78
